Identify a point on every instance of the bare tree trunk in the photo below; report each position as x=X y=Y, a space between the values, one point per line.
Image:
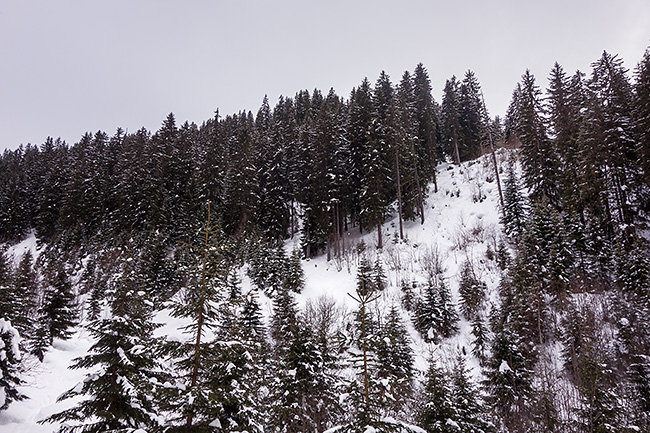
x=456 y=147
x=399 y=194
x=494 y=160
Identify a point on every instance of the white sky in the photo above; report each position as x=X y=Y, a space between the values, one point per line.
x=71 y=66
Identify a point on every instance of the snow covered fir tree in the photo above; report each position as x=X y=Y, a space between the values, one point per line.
x=381 y=262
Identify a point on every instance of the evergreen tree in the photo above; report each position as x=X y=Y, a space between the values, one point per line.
x=305 y=392
x=20 y=299
x=641 y=113
x=514 y=217
x=539 y=160
x=200 y=362
x=10 y=365
x=358 y=137
x=435 y=315
x=470 y=414
x=124 y=368
x=58 y=310
x=472 y=292
x=378 y=176
x=565 y=102
x=410 y=194
x=450 y=120
x=426 y=146
x=437 y=407
x=612 y=95
x=480 y=343
x=470 y=108
x=395 y=362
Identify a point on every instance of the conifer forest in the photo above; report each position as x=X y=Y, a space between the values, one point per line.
x=375 y=262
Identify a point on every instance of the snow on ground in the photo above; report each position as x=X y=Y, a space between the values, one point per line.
x=44 y=383
x=16 y=252
x=461 y=219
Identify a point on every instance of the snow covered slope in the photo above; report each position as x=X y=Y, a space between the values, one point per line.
x=461 y=222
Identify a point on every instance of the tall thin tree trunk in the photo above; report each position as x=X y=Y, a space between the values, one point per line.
x=456 y=147
x=399 y=194
x=494 y=160
x=380 y=244
x=199 y=328
x=420 y=198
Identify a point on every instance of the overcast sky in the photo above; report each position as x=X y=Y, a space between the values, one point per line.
x=71 y=66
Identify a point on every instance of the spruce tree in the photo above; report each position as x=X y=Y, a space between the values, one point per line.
x=436 y=405
x=199 y=361
x=450 y=120
x=10 y=365
x=124 y=368
x=426 y=146
x=472 y=292
x=514 y=216
x=21 y=297
x=58 y=309
x=470 y=119
x=378 y=176
x=470 y=413
x=395 y=363
x=641 y=113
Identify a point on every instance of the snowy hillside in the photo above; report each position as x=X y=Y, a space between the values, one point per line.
x=461 y=224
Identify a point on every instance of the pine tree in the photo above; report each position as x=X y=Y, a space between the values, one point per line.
x=642 y=115
x=358 y=137
x=472 y=292
x=514 y=216
x=481 y=339
x=470 y=118
x=426 y=146
x=305 y=392
x=10 y=365
x=239 y=374
x=612 y=95
x=378 y=177
x=435 y=315
x=118 y=391
x=565 y=102
x=199 y=362
x=470 y=414
x=436 y=407
x=395 y=362
x=450 y=120
x=20 y=298
x=59 y=307
x=539 y=160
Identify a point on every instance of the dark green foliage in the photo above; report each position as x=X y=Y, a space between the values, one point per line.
x=451 y=402
x=193 y=402
x=21 y=296
x=470 y=412
x=435 y=316
x=272 y=271
x=10 y=365
x=470 y=119
x=304 y=394
x=426 y=147
x=436 y=405
x=539 y=160
x=514 y=213
x=509 y=379
x=481 y=339
x=641 y=111
x=450 y=120
x=395 y=362
x=118 y=392
x=58 y=313
x=472 y=292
